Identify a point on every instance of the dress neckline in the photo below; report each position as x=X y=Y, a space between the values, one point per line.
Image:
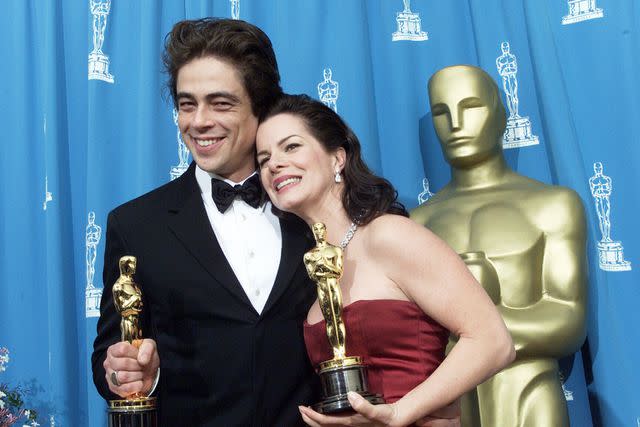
x=362 y=301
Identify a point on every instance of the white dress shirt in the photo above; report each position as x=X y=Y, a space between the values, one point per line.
x=250 y=238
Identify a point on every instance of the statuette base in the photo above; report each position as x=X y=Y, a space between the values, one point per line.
x=518 y=133
x=611 y=257
x=572 y=19
x=140 y=412
x=99 y=67
x=338 y=377
x=409 y=28
x=177 y=171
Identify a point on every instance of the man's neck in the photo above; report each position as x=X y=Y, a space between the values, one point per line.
x=232 y=179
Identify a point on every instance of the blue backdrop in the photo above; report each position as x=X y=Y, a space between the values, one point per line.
x=86 y=127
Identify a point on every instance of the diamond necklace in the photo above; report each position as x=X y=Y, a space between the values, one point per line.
x=349 y=235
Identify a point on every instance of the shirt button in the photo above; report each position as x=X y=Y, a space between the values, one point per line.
x=251 y=254
x=257 y=292
x=243 y=217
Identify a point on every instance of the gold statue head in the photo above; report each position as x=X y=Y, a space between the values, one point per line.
x=468 y=114
x=319 y=232
x=127 y=265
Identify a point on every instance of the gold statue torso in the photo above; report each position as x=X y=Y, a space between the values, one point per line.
x=508 y=224
x=503 y=225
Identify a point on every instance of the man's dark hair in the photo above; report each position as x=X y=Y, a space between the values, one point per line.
x=239 y=43
x=366 y=195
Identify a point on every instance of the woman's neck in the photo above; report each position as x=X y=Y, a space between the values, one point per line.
x=333 y=215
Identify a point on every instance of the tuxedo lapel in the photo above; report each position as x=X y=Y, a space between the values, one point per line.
x=295 y=242
x=189 y=222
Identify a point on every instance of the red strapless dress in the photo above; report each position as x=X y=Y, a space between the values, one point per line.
x=399 y=343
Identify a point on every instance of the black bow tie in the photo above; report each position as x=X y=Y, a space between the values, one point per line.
x=223 y=193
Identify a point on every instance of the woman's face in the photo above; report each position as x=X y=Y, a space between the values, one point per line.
x=296 y=170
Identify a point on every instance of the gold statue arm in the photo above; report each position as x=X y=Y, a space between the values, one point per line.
x=117 y=297
x=555 y=326
x=327 y=271
x=131 y=302
x=323 y=263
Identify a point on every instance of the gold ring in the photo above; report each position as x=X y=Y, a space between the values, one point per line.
x=114 y=379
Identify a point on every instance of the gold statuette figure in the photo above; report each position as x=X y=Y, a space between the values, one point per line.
x=136 y=409
x=341 y=374
x=324 y=265
x=127 y=298
x=523 y=240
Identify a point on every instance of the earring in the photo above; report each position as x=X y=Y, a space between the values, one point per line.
x=337 y=178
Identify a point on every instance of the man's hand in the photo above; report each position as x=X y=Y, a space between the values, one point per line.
x=130 y=370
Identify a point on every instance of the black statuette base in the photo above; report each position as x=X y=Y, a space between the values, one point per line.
x=337 y=382
x=133 y=413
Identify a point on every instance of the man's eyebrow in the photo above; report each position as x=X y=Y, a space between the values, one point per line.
x=210 y=96
x=184 y=95
x=223 y=94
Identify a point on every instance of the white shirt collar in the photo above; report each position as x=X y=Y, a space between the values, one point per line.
x=204 y=179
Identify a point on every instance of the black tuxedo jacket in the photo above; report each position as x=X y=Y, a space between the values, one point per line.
x=221 y=363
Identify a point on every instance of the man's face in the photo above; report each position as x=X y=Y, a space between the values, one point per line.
x=215 y=118
x=464 y=116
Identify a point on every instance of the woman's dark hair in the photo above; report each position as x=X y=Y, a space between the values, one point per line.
x=243 y=45
x=366 y=196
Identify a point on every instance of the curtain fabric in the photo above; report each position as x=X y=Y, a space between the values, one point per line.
x=88 y=125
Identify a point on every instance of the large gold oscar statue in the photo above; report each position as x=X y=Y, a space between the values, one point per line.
x=522 y=239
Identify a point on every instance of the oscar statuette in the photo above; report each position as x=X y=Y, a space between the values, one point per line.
x=341 y=374
x=136 y=410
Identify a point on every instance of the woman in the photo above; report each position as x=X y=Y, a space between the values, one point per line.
x=402 y=287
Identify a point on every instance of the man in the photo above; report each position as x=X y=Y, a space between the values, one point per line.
x=224 y=287
x=523 y=239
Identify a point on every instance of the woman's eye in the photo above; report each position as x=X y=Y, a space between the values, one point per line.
x=263 y=161
x=292 y=146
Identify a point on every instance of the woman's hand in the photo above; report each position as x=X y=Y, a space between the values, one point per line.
x=366 y=415
x=447 y=416
x=381 y=415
